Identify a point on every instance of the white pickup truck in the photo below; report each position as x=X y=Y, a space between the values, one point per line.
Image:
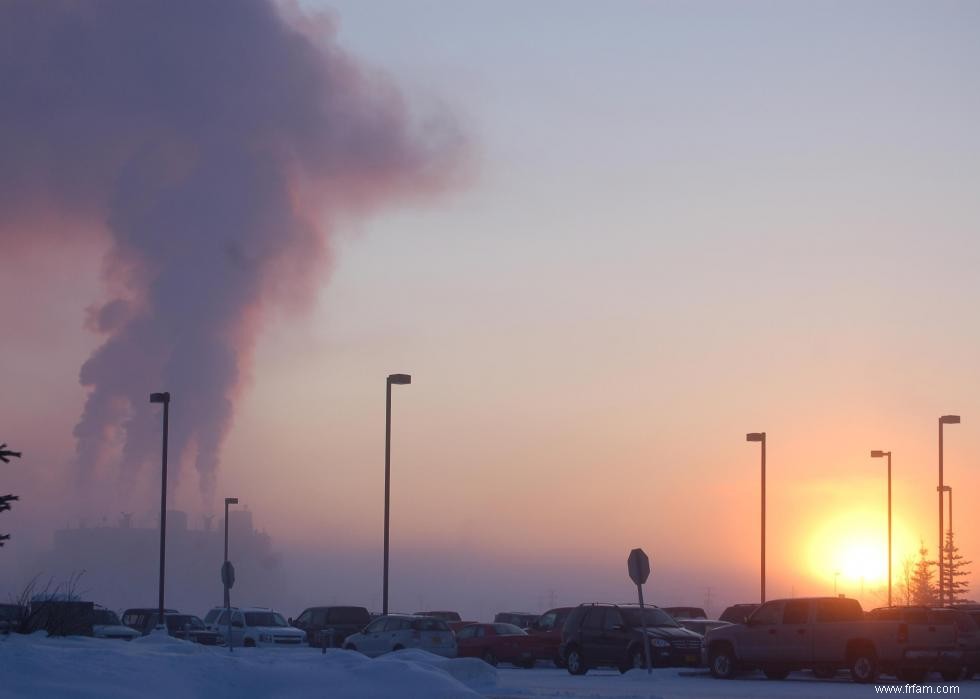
x=823 y=634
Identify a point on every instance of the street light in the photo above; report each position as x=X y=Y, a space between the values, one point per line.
x=877 y=454
x=944 y=420
x=165 y=399
x=949 y=489
x=228 y=501
x=761 y=438
x=398 y=380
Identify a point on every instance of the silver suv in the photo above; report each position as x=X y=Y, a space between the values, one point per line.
x=254 y=626
x=398 y=631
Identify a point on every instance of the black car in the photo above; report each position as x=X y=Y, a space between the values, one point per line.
x=597 y=635
x=189 y=628
x=328 y=627
x=738 y=613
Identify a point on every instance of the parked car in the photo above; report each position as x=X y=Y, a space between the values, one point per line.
x=143 y=619
x=686 y=612
x=192 y=628
x=546 y=634
x=823 y=634
x=60 y=615
x=738 y=613
x=399 y=631
x=598 y=635
x=330 y=626
x=521 y=620
x=105 y=624
x=924 y=625
x=11 y=616
x=255 y=626
x=496 y=643
x=968 y=640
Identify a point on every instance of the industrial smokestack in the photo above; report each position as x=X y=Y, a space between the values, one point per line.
x=214 y=143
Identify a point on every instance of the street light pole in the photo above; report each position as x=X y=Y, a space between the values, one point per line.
x=948 y=489
x=878 y=454
x=228 y=501
x=761 y=437
x=398 y=380
x=163 y=398
x=943 y=420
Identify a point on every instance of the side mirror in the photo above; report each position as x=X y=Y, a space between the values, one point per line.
x=289 y=621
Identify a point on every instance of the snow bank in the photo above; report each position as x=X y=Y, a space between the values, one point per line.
x=34 y=666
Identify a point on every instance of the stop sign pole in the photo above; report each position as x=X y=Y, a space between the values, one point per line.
x=228 y=580
x=638 y=565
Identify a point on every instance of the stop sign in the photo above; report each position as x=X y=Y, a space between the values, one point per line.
x=639 y=566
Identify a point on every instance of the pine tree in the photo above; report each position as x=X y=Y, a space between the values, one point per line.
x=5 y=500
x=905 y=586
x=955 y=572
x=924 y=591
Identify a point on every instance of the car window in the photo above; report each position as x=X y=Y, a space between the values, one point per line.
x=375 y=626
x=394 y=624
x=480 y=632
x=508 y=630
x=547 y=622
x=593 y=618
x=612 y=619
x=651 y=617
x=832 y=610
x=430 y=625
x=237 y=618
x=212 y=615
x=769 y=613
x=304 y=618
x=319 y=617
x=796 y=611
x=264 y=619
x=348 y=615
x=886 y=614
x=465 y=632
x=223 y=619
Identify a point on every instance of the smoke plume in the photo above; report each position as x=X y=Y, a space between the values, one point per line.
x=214 y=143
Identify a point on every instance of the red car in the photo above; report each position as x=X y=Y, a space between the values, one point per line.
x=546 y=633
x=496 y=643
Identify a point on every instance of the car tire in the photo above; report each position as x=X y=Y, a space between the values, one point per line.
x=490 y=659
x=398 y=647
x=775 y=673
x=722 y=662
x=575 y=662
x=864 y=666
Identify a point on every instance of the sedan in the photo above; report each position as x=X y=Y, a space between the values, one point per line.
x=399 y=631
x=497 y=643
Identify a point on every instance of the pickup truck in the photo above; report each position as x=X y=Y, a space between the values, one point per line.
x=823 y=634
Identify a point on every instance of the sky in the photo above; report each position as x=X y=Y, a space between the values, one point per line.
x=679 y=222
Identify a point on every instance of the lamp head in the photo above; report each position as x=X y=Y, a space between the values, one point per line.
x=400 y=379
x=877 y=454
x=950 y=420
x=231 y=501
x=755 y=437
x=160 y=398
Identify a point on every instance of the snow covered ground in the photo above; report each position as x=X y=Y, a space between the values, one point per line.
x=154 y=666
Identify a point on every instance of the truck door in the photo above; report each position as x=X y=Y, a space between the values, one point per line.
x=762 y=634
x=796 y=638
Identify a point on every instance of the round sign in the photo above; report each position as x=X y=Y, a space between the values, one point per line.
x=228 y=574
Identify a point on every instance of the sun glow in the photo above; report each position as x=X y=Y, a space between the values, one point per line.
x=850 y=549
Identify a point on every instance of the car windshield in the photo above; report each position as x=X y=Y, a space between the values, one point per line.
x=653 y=617
x=105 y=617
x=212 y=615
x=509 y=630
x=264 y=619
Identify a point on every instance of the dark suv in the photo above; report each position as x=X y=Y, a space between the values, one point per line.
x=598 y=635
x=328 y=627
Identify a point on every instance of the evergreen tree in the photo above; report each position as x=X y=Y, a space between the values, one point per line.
x=924 y=591
x=955 y=572
x=5 y=500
